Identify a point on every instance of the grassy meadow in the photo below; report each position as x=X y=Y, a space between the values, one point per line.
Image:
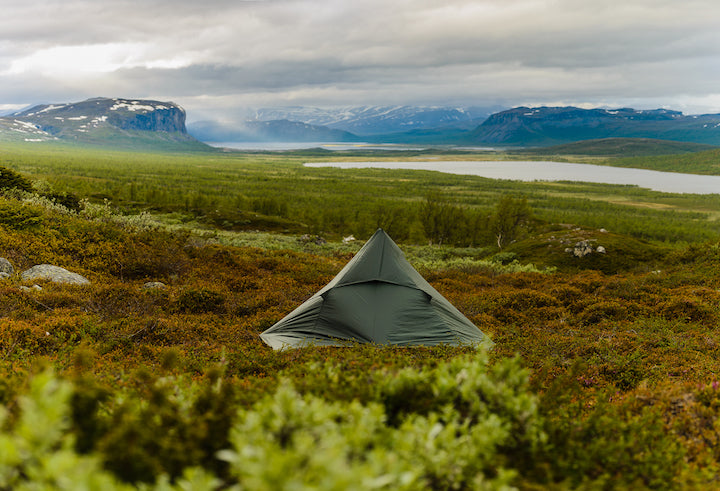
x=604 y=374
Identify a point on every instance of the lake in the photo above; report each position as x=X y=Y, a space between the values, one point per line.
x=339 y=146
x=669 y=182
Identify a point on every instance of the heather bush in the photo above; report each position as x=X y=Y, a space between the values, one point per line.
x=475 y=425
x=200 y=300
x=19 y=217
x=37 y=448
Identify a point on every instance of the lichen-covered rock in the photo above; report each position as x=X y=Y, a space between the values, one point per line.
x=584 y=248
x=30 y=289
x=56 y=274
x=6 y=267
x=154 y=285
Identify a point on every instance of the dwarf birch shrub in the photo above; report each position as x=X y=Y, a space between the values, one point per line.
x=462 y=425
x=37 y=452
x=286 y=441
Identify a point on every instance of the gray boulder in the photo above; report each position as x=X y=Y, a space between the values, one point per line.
x=6 y=267
x=56 y=274
x=29 y=289
x=584 y=248
x=154 y=285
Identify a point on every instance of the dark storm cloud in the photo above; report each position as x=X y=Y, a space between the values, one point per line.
x=232 y=53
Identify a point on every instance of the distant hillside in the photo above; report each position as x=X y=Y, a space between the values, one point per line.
x=622 y=147
x=379 y=120
x=102 y=121
x=546 y=126
x=135 y=123
x=521 y=126
x=268 y=131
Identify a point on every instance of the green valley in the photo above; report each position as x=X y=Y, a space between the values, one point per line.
x=603 y=302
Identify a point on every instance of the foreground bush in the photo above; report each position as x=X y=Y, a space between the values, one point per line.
x=38 y=451
x=463 y=424
x=465 y=438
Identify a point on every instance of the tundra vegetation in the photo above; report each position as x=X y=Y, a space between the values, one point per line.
x=604 y=373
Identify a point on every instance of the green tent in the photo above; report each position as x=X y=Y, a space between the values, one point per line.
x=378 y=297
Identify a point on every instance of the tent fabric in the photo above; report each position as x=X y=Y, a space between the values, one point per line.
x=378 y=297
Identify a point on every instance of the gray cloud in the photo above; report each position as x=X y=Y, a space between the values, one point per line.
x=218 y=56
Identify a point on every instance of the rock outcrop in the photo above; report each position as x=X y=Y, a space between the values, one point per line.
x=55 y=274
x=6 y=267
x=154 y=285
x=584 y=248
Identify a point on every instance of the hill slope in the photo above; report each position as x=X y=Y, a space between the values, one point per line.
x=545 y=126
x=102 y=121
x=622 y=147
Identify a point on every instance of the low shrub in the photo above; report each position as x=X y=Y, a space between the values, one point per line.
x=18 y=217
x=200 y=300
x=10 y=179
x=607 y=444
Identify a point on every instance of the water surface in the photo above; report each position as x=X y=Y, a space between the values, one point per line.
x=669 y=182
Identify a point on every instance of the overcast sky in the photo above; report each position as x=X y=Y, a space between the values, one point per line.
x=218 y=57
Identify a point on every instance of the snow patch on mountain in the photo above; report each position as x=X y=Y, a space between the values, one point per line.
x=373 y=120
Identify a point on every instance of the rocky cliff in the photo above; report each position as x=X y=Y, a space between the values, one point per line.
x=102 y=120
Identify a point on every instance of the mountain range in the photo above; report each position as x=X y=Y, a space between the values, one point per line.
x=343 y=124
x=147 y=123
x=517 y=127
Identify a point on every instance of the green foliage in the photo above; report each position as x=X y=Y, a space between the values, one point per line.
x=463 y=424
x=278 y=194
x=68 y=200
x=470 y=435
x=270 y=205
x=640 y=322
x=609 y=446
x=36 y=452
x=19 y=217
x=695 y=163
x=200 y=300
x=165 y=431
x=471 y=423
x=622 y=253
x=510 y=215
x=440 y=219
x=10 y=179
x=619 y=148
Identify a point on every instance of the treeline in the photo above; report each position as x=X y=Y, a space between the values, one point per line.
x=275 y=193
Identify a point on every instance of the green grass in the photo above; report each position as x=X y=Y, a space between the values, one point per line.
x=621 y=147
x=707 y=162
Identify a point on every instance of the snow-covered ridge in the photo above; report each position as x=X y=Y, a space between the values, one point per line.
x=132 y=105
x=23 y=130
x=366 y=120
